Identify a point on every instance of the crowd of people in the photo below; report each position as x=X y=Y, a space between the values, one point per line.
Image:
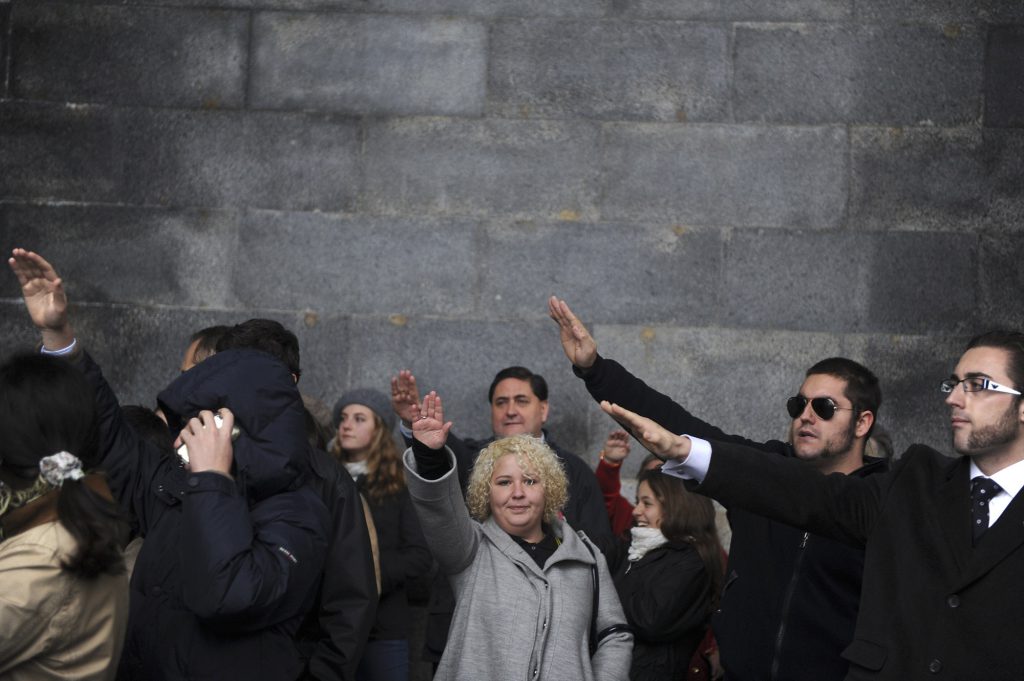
x=242 y=530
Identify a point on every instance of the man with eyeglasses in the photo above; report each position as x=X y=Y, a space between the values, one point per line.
x=942 y=594
x=789 y=604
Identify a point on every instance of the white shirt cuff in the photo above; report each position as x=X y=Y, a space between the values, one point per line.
x=62 y=351
x=695 y=465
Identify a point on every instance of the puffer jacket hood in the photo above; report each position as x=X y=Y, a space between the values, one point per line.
x=270 y=453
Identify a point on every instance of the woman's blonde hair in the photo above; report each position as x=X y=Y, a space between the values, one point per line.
x=532 y=455
x=385 y=476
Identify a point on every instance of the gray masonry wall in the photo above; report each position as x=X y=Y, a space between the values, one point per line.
x=725 y=190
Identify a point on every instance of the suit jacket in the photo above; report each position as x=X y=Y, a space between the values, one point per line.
x=932 y=606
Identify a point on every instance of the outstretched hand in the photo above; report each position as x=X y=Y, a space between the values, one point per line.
x=578 y=344
x=45 y=300
x=662 y=443
x=405 y=396
x=428 y=424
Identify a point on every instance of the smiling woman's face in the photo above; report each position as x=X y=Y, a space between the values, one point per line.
x=517 y=499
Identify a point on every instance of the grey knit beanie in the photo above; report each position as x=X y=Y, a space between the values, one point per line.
x=378 y=402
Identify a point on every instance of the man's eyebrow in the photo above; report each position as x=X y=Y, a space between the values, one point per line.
x=976 y=374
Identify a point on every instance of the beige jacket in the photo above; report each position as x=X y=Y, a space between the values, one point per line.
x=54 y=625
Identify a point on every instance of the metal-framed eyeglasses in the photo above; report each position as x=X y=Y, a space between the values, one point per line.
x=975 y=384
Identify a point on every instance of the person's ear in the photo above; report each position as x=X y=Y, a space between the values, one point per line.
x=865 y=420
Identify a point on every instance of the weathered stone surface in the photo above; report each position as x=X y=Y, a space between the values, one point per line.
x=724 y=175
x=129 y=55
x=610 y=70
x=61 y=152
x=858 y=74
x=909 y=369
x=1004 y=77
x=5 y=31
x=356 y=265
x=436 y=166
x=938 y=11
x=884 y=282
x=610 y=272
x=264 y=160
x=368 y=64
x=738 y=10
x=1000 y=281
x=959 y=179
x=139 y=256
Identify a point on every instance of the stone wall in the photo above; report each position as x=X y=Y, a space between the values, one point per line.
x=725 y=190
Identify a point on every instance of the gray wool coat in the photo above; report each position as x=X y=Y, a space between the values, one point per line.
x=514 y=621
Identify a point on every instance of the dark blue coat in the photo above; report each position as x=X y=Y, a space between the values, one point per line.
x=229 y=566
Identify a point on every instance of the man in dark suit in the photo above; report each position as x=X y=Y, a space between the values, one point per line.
x=944 y=537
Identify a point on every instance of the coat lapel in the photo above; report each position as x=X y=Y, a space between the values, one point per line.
x=999 y=541
x=954 y=511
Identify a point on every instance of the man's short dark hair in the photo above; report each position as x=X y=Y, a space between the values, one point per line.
x=862 y=387
x=537 y=382
x=266 y=335
x=206 y=341
x=1010 y=341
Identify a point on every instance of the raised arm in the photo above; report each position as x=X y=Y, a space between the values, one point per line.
x=405 y=396
x=577 y=343
x=45 y=299
x=129 y=461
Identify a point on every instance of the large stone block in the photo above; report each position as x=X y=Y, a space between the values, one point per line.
x=5 y=31
x=612 y=70
x=940 y=11
x=949 y=178
x=345 y=265
x=738 y=10
x=437 y=166
x=909 y=369
x=480 y=8
x=610 y=272
x=368 y=64
x=129 y=55
x=1000 y=282
x=71 y=153
x=127 y=255
x=858 y=74
x=1004 y=77
x=265 y=160
x=724 y=175
x=883 y=282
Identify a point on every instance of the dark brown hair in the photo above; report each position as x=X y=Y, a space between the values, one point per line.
x=689 y=518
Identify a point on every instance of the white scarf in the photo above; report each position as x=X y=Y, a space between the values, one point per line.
x=356 y=468
x=645 y=539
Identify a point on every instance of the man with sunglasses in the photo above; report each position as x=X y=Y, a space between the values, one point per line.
x=944 y=536
x=789 y=604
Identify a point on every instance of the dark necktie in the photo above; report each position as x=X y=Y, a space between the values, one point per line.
x=982 y=491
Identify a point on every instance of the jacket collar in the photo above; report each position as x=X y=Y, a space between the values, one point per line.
x=572 y=547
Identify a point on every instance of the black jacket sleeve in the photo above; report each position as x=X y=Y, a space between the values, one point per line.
x=609 y=380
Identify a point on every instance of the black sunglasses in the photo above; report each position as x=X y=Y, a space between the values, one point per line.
x=824 y=407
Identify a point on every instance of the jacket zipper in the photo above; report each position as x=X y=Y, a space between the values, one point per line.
x=786 y=602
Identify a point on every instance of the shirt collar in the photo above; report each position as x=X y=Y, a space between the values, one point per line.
x=1010 y=479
